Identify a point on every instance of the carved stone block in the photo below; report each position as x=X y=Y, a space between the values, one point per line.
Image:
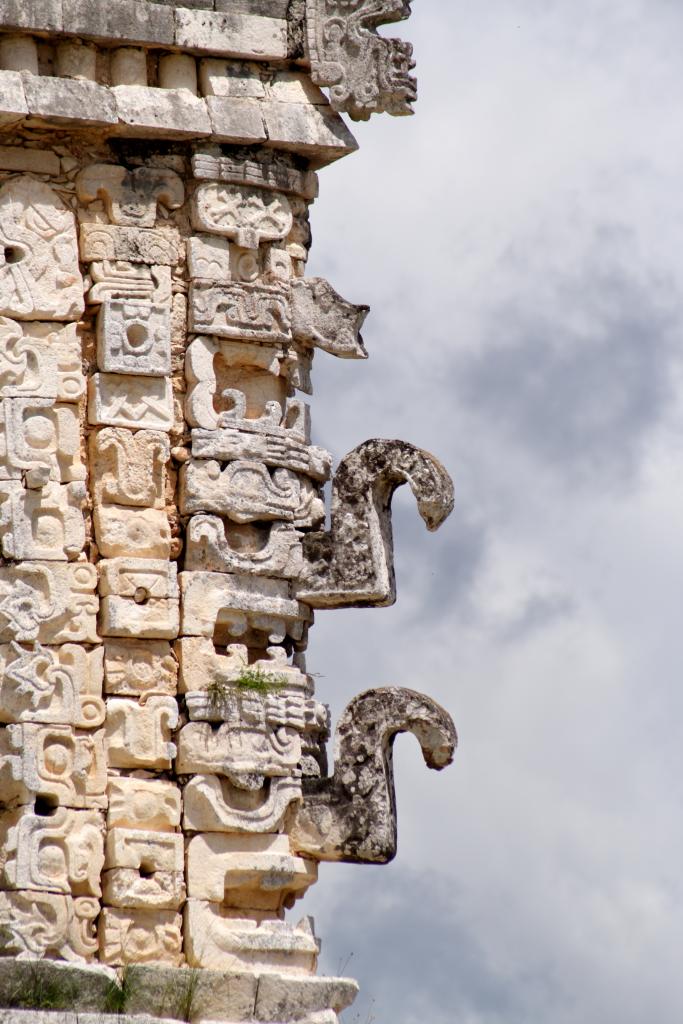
x=220 y=938
x=131 y=196
x=45 y=524
x=143 y=803
x=252 y=872
x=139 y=936
x=138 y=532
x=50 y=602
x=229 y=444
x=249 y=491
x=128 y=887
x=40 y=360
x=200 y=410
x=322 y=319
x=138 y=735
x=214 y=804
x=139 y=598
x=51 y=685
x=39 y=273
x=144 y=869
x=237 y=603
x=129 y=468
x=39 y=442
x=121 y=279
x=48 y=924
x=134 y=337
x=64 y=767
x=62 y=852
x=138 y=668
x=253 y=312
x=156 y=247
x=248 y=216
x=135 y=402
x=235 y=171
x=208 y=258
x=264 y=549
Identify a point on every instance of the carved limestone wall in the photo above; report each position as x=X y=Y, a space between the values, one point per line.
x=165 y=795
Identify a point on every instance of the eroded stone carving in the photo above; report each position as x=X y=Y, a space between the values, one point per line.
x=120 y=279
x=139 y=668
x=153 y=246
x=40 y=361
x=248 y=216
x=143 y=803
x=138 y=532
x=48 y=924
x=121 y=401
x=138 y=735
x=39 y=442
x=129 y=468
x=353 y=563
x=351 y=816
x=51 y=685
x=254 y=312
x=139 y=598
x=49 y=602
x=39 y=273
x=131 y=196
x=367 y=73
x=134 y=337
x=322 y=319
x=60 y=853
x=139 y=936
x=214 y=804
x=265 y=549
x=45 y=524
x=54 y=762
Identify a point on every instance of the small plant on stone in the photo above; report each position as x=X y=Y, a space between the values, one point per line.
x=222 y=694
x=119 y=991
x=42 y=988
x=187 y=995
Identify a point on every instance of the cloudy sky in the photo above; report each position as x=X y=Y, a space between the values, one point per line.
x=519 y=241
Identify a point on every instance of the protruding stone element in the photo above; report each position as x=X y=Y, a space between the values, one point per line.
x=49 y=602
x=203 y=668
x=144 y=869
x=134 y=337
x=139 y=598
x=264 y=549
x=351 y=816
x=136 y=402
x=40 y=361
x=143 y=803
x=284 y=997
x=45 y=524
x=39 y=442
x=248 y=492
x=154 y=246
x=212 y=600
x=367 y=73
x=137 y=532
x=131 y=196
x=275 y=174
x=139 y=668
x=129 y=468
x=138 y=735
x=48 y=924
x=214 y=804
x=118 y=279
x=140 y=936
x=51 y=685
x=251 y=872
x=247 y=216
x=63 y=852
x=230 y=444
x=322 y=319
x=221 y=938
x=254 y=312
x=55 y=762
x=353 y=564
x=39 y=273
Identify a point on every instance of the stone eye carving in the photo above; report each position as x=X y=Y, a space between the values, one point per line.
x=351 y=816
x=131 y=197
x=353 y=564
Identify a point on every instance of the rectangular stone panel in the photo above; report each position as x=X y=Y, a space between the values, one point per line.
x=138 y=668
x=138 y=735
x=51 y=602
x=62 y=852
x=136 y=402
x=51 y=685
x=134 y=337
x=63 y=766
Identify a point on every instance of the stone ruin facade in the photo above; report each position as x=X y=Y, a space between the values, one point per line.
x=164 y=788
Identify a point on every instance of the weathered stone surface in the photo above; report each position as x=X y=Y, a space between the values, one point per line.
x=45 y=15
x=214 y=804
x=67 y=102
x=134 y=338
x=247 y=216
x=139 y=668
x=118 y=279
x=235 y=119
x=138 y=735
x=249 y=491
x=283 y=998
x=39 y=442
x=221 y=938
x=257 y=313
x=49 y=602
x=130 y=21
x=135 y=402
x=272 y=175
x=39 y=273
x=60 y=853
x=231 y=35
x=322 y=319
x=139 y=598
x=13 y=104
x=143 y=803
x=38 y=924
x=168 y=113
x=366 y=72
x=129 y=468
x=154 y=246
x=253 y=872
x=45 y=524
x=15 y=158
x=65 y=767
x=138 y=532
x=353 y=564
x=51 y=685
x=40 y=360
x=131 y=196
x=129 y=936
x=143 y=869
x=352 y=815
x=231 y=444
x=217 y=545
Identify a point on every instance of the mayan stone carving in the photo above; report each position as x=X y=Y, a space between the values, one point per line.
x=165 y=796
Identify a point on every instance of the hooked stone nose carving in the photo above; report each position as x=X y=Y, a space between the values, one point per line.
x=351 y=816
x=353 y=564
